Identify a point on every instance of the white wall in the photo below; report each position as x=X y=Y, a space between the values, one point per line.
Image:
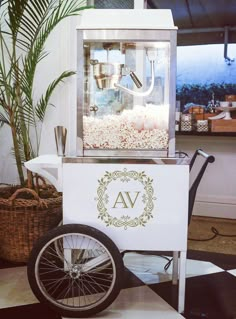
x=61 y=46
x=7 y=165
x=216 y=194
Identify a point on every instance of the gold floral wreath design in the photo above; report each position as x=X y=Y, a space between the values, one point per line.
x=103 y=198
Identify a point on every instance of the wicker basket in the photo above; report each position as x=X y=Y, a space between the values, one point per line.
x=24 y=220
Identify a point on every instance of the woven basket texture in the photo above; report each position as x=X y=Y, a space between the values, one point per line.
x=24 y=220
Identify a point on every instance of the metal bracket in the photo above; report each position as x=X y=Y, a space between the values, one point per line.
x=228 y=60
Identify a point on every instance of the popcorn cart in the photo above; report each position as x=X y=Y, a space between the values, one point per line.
x=125 y=190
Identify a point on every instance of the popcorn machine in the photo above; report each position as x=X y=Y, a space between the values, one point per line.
x=126 y=84
x=124 y=183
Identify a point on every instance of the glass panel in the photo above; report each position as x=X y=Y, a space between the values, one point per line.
x=126 y=101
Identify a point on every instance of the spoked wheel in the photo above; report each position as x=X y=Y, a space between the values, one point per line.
x=76 y=269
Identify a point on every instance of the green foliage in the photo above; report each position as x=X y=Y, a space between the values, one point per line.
x=202 y=94
x=24 y=29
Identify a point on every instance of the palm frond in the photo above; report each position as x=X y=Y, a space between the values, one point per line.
x=27 y=24
x=21 y=152
x=3 y=119
x=25 y=114
x=41 y=106
x=2 y=3
x=50 y=20
x=20 y=94
x=32 y=21
x=15 y=14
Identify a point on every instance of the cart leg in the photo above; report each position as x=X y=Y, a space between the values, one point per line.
x=182 y=269
x=175 y=272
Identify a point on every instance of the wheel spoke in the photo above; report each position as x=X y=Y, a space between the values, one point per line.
x=54 y=285
x=75 y=271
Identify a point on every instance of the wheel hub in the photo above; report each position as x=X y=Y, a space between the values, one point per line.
x=75 y=272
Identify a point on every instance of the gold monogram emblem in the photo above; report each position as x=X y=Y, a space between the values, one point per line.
x=121 y=200
x=125 y=199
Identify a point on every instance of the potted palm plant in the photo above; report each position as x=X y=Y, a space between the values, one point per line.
x=25 y=26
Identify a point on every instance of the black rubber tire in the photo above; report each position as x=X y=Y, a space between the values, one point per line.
x=41 y=283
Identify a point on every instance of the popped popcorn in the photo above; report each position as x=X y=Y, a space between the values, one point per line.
x=139 y=128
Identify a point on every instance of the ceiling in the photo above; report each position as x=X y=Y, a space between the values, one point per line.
x=201 y=21
x=198 y=21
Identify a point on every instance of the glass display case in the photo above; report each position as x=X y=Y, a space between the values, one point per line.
x=126 y=83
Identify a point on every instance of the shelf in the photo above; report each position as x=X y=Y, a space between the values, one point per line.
x=194 y=133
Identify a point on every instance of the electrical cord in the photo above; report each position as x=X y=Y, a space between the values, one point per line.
x=215 y=232
x=181 y=154
x=169 y=260
x=167 y=265
x=213 y=229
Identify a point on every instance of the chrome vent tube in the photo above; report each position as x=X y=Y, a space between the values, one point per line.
x=152 y=55
x=145 y=93
x=135 y=80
